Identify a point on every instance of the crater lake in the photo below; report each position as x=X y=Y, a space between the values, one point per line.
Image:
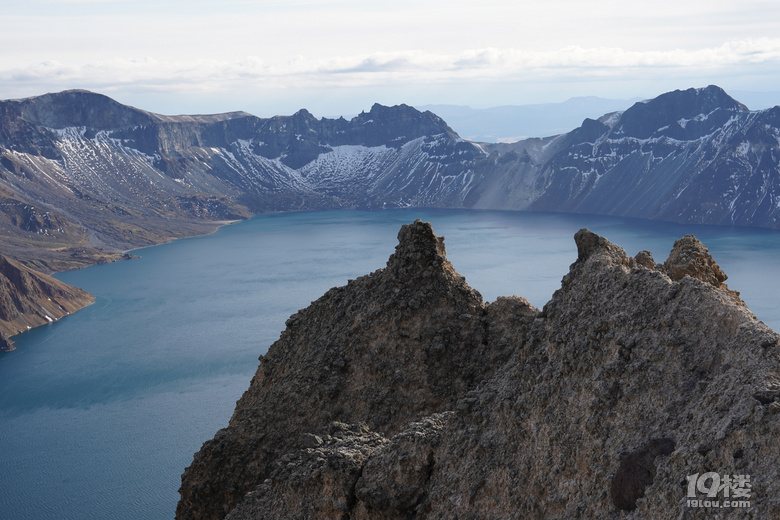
x=101 y=412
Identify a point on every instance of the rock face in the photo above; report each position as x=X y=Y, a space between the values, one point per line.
x=29 y=299
x=403 y=395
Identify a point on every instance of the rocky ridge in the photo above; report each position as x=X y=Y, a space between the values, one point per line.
x=403 y=395
x=349 y=357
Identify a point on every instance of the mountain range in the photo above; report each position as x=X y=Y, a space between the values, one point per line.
x=84 y=178
x=511 y=123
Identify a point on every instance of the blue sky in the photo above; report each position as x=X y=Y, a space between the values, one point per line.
x=339 y=57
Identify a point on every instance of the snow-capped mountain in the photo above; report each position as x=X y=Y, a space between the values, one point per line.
x=687 y=156
x=82 y=176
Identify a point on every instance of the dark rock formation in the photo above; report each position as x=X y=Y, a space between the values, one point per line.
x=402 y=395
x=388 y=348
x=29 y=299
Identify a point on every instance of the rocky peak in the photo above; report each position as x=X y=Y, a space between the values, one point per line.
x=302 y=123
x=384 y=112
x=682 y=114
x=588 y=132
x=420 y=254
x=401 y=343
x=689 y=257
x=81 y=108
x=592 y=246
x=394 y=126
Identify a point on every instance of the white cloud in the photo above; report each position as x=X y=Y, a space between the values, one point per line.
x=291 y=48
x=379 y=68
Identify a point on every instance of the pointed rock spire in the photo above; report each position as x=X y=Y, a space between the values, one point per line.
x=690 y=257
x=420 y=253
x=589 y=244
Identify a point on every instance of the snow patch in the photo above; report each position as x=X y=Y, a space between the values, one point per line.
x=612 y=119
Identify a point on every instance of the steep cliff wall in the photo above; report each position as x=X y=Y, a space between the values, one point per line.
x=403 y=395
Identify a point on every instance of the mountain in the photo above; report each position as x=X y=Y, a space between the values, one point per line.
x=511 y=123
x=84 y=178
x=404 y=395
x=694 y=156
x=30 y=299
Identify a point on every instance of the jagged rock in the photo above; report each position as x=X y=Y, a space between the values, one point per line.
x=394 y=479
x=601 y=405
x=314 y=482
x=388 y=348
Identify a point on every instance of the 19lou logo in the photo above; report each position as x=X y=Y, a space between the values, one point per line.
x=725 y=491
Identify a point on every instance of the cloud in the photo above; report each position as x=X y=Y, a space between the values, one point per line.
x=487 y=64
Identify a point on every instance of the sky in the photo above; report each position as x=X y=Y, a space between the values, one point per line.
x=339 y=57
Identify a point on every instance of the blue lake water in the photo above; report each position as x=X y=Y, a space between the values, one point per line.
x=101 y=412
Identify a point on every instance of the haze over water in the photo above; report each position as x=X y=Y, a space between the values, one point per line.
x=101 y=412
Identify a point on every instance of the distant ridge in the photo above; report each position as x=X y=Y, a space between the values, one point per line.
x=512 y=123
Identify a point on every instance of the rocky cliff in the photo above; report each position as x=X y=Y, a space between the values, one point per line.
x=404 y=395
x=29 y=299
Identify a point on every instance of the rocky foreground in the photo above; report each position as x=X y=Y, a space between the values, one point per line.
x=403 y=395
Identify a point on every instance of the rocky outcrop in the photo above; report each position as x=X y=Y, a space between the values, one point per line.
x=29 y=299
x=388 y=348
x=403 y=395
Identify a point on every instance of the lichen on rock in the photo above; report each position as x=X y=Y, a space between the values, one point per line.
x=403 y=395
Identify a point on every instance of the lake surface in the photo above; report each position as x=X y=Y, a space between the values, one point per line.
x=101 y=412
